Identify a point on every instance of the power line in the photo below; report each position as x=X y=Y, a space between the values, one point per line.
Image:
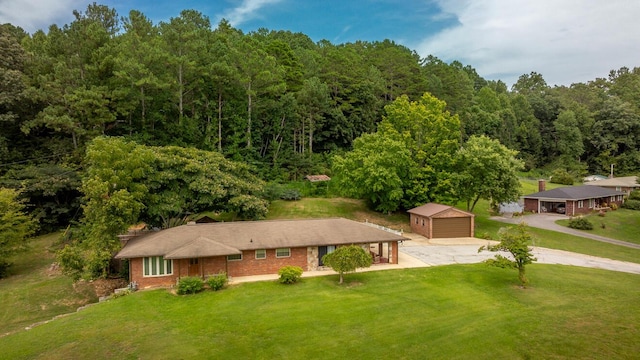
x=38 y=158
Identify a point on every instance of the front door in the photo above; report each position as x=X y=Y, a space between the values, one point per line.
x=194 y=267
x=324 y=250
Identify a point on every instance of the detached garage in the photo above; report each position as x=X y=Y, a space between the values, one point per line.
x=441 y=221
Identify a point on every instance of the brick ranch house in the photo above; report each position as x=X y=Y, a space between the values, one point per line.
x=247 y=248
x=575 y=200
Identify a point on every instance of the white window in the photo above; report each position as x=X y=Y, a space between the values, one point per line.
x=580 y=204
x=619 y=197
x=234 y=257
x=591 y=203
x=416 y=220
x=618 y=188
x=613 y=198
x=156 y=266
x=283 y=252
x=261 y=254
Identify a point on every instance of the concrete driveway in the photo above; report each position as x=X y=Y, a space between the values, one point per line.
x=420 y=251
x=548 y=221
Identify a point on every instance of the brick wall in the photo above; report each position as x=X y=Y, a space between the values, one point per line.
x=419 y=228
x=531 y=205
x=249 y=265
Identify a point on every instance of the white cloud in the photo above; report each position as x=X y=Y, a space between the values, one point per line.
x=566 y=41
x=247 y=10
x=33 y=15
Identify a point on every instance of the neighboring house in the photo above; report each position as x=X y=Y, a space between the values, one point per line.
x=594 y=178
x=246 y=248
x=572 y=200
x=625 y=184
x=441 y=221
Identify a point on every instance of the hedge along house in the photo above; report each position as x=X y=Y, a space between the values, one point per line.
x=441 y=221
x=247 y=248
x=574 y=200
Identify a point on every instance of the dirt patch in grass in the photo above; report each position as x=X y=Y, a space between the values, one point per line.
x=106 y=287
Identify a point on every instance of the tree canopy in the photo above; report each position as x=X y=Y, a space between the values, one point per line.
x=15 y=227
x=346 y=259
x=279 y=106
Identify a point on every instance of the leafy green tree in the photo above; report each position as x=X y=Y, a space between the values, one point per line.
x=570 y=143
x=346 y=259
x=377 y=169
x=114 y=194
x=50 y=192
x=432 y=135
x=15 y=227
x=487 y=170
x=516 y=242
x=616 y=136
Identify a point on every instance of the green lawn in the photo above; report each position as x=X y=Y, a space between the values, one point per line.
x=36 y=292
x=622 y=224
x=447 y=312
x=335 y=207
x=555 y=240
x=530 y=186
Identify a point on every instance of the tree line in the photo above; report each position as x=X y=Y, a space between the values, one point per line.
x=278 y=102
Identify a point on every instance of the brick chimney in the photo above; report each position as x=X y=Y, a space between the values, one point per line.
x=542 y=185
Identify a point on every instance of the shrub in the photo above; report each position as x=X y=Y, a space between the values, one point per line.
x=290 y=274
x=273 y=191
x=635 y=195
x=290 y=194
x=614 y=206
x=190 y=285
x=631 y=204
x=560 y=176
x=217 y=282
x=580 y=223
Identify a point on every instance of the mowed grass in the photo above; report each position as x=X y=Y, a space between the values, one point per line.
x=447 y=312
x=35 y=292
x=621 y=224
x=335 y=207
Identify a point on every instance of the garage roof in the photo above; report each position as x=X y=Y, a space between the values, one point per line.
x=436 y=210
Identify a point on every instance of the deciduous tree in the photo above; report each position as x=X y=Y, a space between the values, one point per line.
x=15 y=227
x=515 y=241
x=487 y=170
x=346 y=259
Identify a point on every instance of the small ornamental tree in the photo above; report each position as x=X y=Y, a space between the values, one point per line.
x=346 y=259
x=515 y=241
x=15 y=227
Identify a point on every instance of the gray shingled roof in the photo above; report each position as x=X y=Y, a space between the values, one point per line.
x=575 y=193
x=227 y=238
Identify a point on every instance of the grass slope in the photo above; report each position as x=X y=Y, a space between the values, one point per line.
x=35 y=292
x=622 y=224
x=448 y=312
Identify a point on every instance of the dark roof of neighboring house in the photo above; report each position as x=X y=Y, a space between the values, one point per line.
x=575 y=193
x=433 y=210
x=227 y=238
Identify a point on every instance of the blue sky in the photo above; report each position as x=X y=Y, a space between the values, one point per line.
x=566 y=41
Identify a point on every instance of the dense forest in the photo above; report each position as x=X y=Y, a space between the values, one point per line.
x=276 y=101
